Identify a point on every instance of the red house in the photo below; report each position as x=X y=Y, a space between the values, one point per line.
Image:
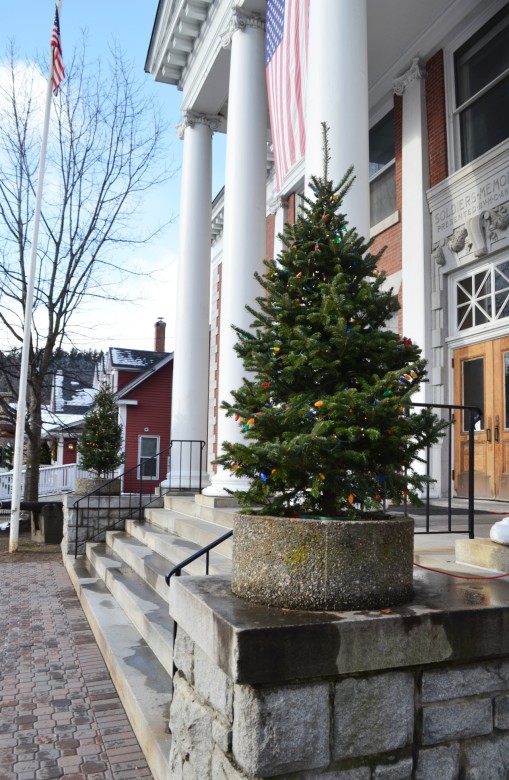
x=142 y=380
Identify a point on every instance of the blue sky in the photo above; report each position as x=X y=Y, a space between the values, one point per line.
x=128 y=22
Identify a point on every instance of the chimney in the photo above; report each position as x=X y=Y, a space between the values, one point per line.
x=160 y=328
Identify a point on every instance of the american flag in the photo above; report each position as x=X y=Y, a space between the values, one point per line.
x=286 y=40
x=58 y=62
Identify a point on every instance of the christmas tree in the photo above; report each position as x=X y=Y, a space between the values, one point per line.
x=99 y=445
x=324 y=405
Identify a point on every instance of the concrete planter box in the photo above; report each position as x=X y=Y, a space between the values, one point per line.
x=318 y=564
x=86 y=485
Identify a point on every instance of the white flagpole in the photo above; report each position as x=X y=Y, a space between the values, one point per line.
x=19 y=440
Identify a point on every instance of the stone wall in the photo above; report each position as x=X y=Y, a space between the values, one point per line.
x=94 y=515
x=430 y=721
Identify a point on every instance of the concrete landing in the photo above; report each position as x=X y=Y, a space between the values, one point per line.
x=483 y=553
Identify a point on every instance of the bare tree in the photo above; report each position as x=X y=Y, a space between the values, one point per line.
x=106 y=149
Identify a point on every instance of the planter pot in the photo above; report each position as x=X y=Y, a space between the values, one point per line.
x=314 y=564
x=86 y=485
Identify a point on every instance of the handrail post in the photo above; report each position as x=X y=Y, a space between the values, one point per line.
x=471 y=428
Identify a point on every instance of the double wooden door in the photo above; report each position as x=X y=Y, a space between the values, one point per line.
x=481 y=378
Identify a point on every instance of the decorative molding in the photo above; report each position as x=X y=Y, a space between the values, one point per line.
x=437 y=253
x=415 y=71
x=278 y=203
x=190 y=119
x=240 y=21
x=476 y=238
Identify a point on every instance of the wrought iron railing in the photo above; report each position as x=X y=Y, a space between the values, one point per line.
x=177 y=570
x=107 y=507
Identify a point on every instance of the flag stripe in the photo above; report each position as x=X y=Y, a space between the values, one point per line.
x=58 y=62
x=286 y=63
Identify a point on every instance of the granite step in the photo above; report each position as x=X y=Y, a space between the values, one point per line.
x=143 y=685
x=220 y=510
x=201 y=532
x=146 y=610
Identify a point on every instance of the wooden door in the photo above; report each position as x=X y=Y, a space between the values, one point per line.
x=480 y=379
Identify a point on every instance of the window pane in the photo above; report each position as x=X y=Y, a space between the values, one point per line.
x=482 y=58
x=484 y=124
x=381 y=143
x=382 y=196
x=148 y=446
x=149 y=467
x=465 y=316
x=506 y=389
x=502 y=304
x=473 y=389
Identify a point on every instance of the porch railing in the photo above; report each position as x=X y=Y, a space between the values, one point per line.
x=53 y=480
x=106 y=508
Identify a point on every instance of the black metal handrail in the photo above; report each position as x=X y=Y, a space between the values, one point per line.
x=134 y=503
x=177 y=570
x=474 y=416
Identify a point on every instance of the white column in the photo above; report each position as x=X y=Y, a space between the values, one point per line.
x=190 y=370
x=415 y=228
x=244 y=214
x=337 y=93
x=281 y=208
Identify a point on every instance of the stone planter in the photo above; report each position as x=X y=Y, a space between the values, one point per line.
x=323 y=564
x=88 y=484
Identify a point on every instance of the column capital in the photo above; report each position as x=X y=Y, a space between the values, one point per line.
x=415 y=71
x=190 y=118
x=278 y=203
x=240 y=21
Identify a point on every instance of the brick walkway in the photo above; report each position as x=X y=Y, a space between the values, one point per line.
x=60 y=715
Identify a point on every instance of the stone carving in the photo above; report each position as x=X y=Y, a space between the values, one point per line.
x=414 y=72
x=498 y=219
x=438 y=253
x=477 y=234
x=458 y=239
x=500 y=531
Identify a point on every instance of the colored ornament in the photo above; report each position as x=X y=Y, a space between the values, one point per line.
x=273 y=471
x=310 y=415
x=267 y=405
x=413 y=374
x=317 y=248
x=389 y=431
x=276 y=349
x=266 y=384
x=251 y=421
x=321 y=476
x=378 y=498
x=318 y=404
x=351 y=499
x=402 y=379
x=350 y=411
x=407 y=342
x=299 y=275
x=235 y=466
x=325 y=218
x=263 y=477
x=237 y=418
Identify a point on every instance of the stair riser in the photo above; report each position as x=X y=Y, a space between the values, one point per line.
x=138 y=565
x=178 y=525
x=158 y=638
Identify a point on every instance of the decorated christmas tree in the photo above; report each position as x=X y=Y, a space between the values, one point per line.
x=325 y=403
x=101 y=439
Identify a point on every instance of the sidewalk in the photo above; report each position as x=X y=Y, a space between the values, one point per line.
x=60 y=715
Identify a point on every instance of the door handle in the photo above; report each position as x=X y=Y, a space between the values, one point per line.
x=488 y=430
x=497 y=429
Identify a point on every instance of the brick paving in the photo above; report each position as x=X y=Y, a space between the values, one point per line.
x=60 y=715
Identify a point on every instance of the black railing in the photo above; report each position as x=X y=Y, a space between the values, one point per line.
x=107 y=507
x=473 y=416
x=177 y=570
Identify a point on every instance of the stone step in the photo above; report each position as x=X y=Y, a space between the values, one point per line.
x=146 y=610
x=144 y=686
x=220 y=510
x=201 y=532
x=139 y=552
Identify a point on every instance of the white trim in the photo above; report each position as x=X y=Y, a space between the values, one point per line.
x=145 y=457
x=121 y=402
x=384 y=224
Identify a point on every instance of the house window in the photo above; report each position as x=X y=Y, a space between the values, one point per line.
x=148 y=447
x=382 y=170
x=481 y=69
x=483 y=297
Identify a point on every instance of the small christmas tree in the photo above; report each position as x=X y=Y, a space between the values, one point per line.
x=99 y=445
x=324 y=405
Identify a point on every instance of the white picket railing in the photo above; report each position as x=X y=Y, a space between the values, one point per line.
x=53 y=480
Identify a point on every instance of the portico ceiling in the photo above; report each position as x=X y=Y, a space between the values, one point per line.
x=398 y=31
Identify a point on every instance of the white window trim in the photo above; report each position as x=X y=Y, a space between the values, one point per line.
x=486 y=11
x=495 y=328
x=158 y=449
